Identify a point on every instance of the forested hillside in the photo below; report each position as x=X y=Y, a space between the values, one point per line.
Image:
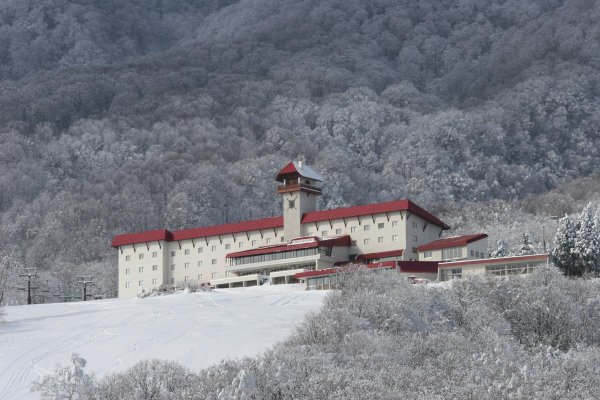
x=126 y=115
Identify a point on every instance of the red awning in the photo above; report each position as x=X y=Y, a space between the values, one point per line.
x=296 y=244
x=383 y=254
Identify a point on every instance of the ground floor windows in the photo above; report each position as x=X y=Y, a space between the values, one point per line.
x=452 y=253
x=449 y=274
x=327 y=282
x=515 y=269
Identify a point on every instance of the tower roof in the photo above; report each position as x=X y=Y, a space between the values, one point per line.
x=298 y=168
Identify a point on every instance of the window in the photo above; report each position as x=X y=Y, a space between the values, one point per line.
x=380 y=225
x=268 y=240
x=186 y=265
x=514 y=269
x=200 y=263
x=477 y=254
x=380 y=239
x=353 y=243
x=366 y=241
x=428 y=253
x=141 y=256
x=394 y=238
x=172 y=281
x=454 y=252
x=472 y=253
x=394 y=224
x=352 y=229
x=227 y=246
x=338 y=231
x=253 y=243
x=415 y=224
x=200 y=249
x=127 y=258
x=127 y=284
x=366 y=227
x=173 y=254
x=282 y=239
x=172 y=267
x=141 y=269
x=186 y=252
x=154 y=281
x=323 y=233
x=155 y=268
x=415 y=238
x=199 y=277
x=127 y=270
x=154 y=254
x=456 y=273
x=187 y=279
x=213 y=248
x=415 y=250
x=141 y=283
x=241 y=244
x=214 y=275
x=213 y=261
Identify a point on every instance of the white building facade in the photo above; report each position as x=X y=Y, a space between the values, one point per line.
x=276 y=248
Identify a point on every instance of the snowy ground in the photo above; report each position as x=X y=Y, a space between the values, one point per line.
x=195 y=329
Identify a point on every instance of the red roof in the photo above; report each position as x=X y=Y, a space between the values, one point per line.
x=332 y=271
x=490 y=261
x=296 y=244
x=216 y=230
x=287 y=170
x=141 y=237
x=383 y=254
x=418 y=266
x=454 y=241
x=368 y=209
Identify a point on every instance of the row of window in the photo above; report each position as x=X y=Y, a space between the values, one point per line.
x=326 y=251
x=379 y=240
x=366 y=227
x=141 y=256
x=186 y=279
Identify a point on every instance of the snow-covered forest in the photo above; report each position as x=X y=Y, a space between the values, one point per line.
x=534 y=337
x=127 y=115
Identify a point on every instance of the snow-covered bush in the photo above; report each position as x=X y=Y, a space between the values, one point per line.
x=67 y=383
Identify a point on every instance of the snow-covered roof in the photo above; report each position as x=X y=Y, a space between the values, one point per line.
x=300 y=168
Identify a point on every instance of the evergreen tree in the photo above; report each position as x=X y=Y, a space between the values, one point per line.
x=564 y=242
x=586 y=247
x=501 y=251
x=527 y=247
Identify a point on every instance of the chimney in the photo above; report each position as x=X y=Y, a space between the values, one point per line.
x=300 y=164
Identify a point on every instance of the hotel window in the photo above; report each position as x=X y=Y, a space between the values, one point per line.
x=127 y=271
x=154 y=281
x=155 y=268
x=186 y=265
x=415 y=238
x=367 y=227
x=253 y=243
x=199 y=277
x=141 y=269
x=213 y=261
x=141 y=256
x=214 y=275
x=241 y=244
x=476 y=254
x=415 y=250
x=154 y=254
x=394 y=238
x=172 y=267
x=127 y=258
x=415 y=224
x=172 y=254
x=200 y=249
x=141 y=283
x=268 y=240
x=454 y=252
x=227 y=246
x=472 y=253
x=353 y=243
x=456 y=273
x=323 y=233
x=380 y=225
x=366 y=241
x=428 y=253
x=186 y=252
x=282 y=239
x=172 y=281
x=394 y=224
x=127 y=284
x=213 y=248
x=380 y=239
x=186 y=279
x=200 y=263
x=338 y=231
x=352 y=229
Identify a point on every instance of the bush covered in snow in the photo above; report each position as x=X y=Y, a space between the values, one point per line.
x=534 y=337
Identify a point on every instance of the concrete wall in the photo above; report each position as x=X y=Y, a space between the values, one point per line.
x=149 y=269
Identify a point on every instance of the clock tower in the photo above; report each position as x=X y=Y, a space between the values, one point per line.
x=299 y=187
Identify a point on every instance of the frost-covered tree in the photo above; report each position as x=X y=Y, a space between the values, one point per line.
x=586 y=249
x=526 y=247
x=564 y=243
x=501 y=250
x=67 y=383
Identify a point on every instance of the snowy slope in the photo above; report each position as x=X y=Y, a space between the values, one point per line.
x=195 y=329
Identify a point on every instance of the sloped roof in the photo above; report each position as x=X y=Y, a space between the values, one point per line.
x=141 y=237
x=296 y=244
x=216 y=230
x=301 y=169
x=383 y=254
x=454 y=241
x=368 y=209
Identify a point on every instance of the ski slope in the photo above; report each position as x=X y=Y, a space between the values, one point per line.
x=195 y=329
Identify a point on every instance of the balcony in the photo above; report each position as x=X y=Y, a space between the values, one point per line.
x=294 y=187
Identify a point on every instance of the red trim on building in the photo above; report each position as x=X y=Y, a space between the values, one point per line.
x=141 y=237
x=383 y=254
x=216 y=230
x=490 y=261
x=347 y=268
x=418 y=267
x=368 y=209
x=289 y=169
x=454 y=241
x=342 y=241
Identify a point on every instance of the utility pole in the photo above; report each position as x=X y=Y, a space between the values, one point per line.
x=29 y=273
x=85 y=281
